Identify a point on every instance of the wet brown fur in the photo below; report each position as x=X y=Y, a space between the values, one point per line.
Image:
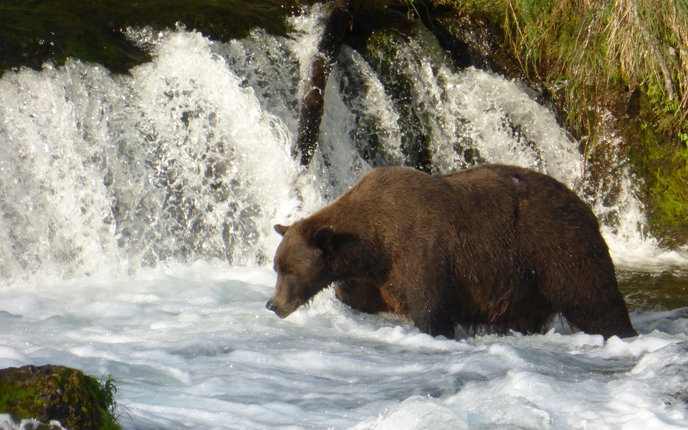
x=495 y=245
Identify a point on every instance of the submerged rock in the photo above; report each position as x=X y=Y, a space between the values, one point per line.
x=54 y=393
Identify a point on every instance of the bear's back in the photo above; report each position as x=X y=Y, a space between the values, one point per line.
x=393 y=198
x=535 y=197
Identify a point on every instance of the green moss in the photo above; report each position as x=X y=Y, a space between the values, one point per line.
x=58 y=393
x=670 y=188
x=662 y=160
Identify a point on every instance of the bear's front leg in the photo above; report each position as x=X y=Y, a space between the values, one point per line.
x=363 y=295
x=432 y=320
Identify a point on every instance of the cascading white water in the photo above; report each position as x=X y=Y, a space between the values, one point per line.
x=176 y=162
x=151 y=183
x=189 y=157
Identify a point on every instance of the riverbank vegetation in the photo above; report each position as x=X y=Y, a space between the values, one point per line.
x=627 y=58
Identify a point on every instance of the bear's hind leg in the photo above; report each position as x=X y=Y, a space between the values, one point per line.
x=610 y=320
x=597 y=308
x=582 y=287
x=434 y=323
x=433 y=315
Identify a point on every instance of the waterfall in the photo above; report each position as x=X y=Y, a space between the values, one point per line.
x=189 y=157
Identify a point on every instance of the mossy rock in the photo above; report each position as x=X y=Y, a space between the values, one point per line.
x=385 y=52
x=33 y=32
x=48 y=393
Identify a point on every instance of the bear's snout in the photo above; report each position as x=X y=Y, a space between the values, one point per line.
x=281 y=311
x=271 y=306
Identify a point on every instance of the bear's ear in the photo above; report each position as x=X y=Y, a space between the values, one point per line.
x=281 y=229
x=325 y=240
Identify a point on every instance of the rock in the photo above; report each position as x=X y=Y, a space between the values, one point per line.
x=45 y=394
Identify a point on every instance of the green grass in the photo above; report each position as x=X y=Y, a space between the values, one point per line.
x=667 y=183
x=107 y=388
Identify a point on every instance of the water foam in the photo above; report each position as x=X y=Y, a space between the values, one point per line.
x=193 y=345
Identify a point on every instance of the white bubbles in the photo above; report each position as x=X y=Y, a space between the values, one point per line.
x=499 y=120
x=50 y=193
x=419 y=413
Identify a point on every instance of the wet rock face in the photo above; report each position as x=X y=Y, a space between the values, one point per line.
x=55 y=393
x=398 y=74
x=93 y=31
x=473 y=41
x=400 y=45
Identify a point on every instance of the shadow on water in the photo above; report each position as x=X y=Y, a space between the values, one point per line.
x=646 y=291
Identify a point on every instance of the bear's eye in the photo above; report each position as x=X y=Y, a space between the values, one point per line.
x=282 y=269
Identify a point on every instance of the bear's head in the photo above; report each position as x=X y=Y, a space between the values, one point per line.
x=302 y=263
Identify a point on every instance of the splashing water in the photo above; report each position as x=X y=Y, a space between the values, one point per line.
x=189 y=157
x=177 y=162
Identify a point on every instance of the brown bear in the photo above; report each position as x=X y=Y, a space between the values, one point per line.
x=492 y=246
